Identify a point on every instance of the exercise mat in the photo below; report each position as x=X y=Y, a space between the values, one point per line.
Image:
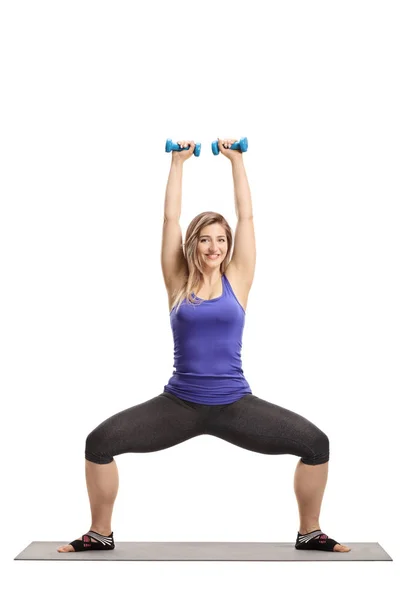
x=200 y=551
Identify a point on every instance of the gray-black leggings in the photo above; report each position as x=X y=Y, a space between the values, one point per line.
x=167 y=420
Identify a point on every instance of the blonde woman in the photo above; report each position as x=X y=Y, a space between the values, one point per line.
x=207 y=392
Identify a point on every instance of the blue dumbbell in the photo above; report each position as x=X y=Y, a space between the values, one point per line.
x=169 y=146
x=242 y=145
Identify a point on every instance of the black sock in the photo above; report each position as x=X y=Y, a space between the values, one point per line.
x=315 y=540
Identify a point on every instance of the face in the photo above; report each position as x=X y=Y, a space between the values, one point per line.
x=212 y=241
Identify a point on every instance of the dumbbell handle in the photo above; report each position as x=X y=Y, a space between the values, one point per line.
x=170 y=146
x=241 y=145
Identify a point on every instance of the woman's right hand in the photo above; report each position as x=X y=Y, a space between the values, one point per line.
x=182 y=155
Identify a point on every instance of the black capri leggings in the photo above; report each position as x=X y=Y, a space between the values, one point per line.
x=167 y=420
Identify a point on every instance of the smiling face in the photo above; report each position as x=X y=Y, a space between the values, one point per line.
x=212 y=241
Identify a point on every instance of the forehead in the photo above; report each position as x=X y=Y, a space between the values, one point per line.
x=213 y=230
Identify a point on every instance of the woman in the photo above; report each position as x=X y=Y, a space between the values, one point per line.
x=207 y=393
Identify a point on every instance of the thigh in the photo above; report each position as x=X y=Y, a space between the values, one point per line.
x=156 y=424
x=261 y=426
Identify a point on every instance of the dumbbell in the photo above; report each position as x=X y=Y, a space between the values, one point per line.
x=169 y=146
x=242 y=145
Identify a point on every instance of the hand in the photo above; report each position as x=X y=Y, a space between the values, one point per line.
x=183 y=154
x=224 y=146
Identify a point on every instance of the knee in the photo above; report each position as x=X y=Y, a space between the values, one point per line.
x=319 y=449
x=95 y=449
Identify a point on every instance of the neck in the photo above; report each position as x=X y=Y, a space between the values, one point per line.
x=211 y=279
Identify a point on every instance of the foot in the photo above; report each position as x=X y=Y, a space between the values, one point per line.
x=316 y=540
x=92 y=540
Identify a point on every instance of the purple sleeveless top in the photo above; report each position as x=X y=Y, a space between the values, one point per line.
x=207 y=350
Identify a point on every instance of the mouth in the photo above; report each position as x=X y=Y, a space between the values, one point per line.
x=212 y=256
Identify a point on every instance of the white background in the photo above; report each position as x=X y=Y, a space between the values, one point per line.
x=90 y=92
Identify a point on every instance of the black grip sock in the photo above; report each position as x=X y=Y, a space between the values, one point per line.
x=315 y=540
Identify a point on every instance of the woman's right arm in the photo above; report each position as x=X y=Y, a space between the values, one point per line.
x=173 y=260
x=173 y=193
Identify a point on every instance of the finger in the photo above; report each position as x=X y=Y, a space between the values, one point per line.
x=221 y=144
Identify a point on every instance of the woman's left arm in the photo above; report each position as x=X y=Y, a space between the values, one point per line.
x=244 y=251
x=243 y=204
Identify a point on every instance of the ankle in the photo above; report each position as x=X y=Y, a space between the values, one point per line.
x=308 y=529
x=101 y=529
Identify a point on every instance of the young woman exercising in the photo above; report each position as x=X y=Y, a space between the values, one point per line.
x=207 y=393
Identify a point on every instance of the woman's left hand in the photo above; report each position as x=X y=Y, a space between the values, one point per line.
x=224 y=148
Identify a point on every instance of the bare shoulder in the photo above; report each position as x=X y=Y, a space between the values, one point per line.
x=240 y=286
x=175 y=284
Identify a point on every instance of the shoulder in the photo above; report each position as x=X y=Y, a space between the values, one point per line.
x=239 y=286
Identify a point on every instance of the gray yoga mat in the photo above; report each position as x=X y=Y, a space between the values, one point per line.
x=237 y=551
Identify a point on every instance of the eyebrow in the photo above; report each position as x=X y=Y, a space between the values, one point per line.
x=210 y=236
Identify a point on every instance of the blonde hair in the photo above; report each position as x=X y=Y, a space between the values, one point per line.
x=193 y=279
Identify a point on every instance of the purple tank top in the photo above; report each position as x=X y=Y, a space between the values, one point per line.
x=207 y=350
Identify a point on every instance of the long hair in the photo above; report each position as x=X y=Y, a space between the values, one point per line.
x=193 y=277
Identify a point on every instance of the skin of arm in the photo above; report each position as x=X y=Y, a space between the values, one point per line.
x=243 y=203
x=173 y=192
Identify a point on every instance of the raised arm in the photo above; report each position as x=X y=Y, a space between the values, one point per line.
x=244 y=249
x=173 y=260
x=243 y=204
x=173 y=192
